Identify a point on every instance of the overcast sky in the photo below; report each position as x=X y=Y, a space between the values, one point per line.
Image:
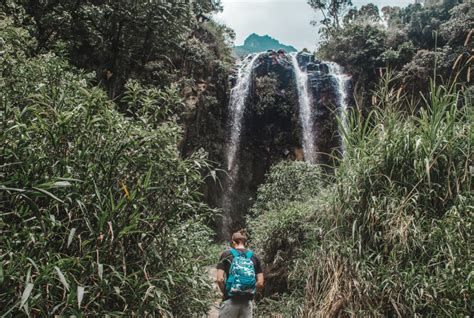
x=286 y=20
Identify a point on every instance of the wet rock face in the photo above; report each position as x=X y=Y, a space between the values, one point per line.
x=270 y=129
x=277 y=63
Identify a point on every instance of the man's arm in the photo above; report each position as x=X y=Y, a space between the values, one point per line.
x=260 y=281
x=221 y=280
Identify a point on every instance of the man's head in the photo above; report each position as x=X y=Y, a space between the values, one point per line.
x=239 y=238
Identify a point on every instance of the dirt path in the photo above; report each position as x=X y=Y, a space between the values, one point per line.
x=214 y=310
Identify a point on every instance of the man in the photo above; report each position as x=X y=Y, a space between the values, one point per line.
x=238 y=290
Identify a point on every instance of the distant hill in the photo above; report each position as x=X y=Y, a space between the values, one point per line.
x=257 y=43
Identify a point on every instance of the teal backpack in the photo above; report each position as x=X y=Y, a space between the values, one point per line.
x=241 y=280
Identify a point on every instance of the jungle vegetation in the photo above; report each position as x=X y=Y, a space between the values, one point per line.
x=387 y=232
x=102 y=214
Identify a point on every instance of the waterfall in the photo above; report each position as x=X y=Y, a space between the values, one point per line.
x=341 y=79
x=237 y=101
x=306 y=113
x=321 y=89
x=238 y=98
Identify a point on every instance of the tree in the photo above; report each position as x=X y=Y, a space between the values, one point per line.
x=332 y=11
x=100 y=214
x=368 y=13
x=116 y=38
x=388 y=12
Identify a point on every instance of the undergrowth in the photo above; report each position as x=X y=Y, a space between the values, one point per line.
x=391 y=234
x=99 y=215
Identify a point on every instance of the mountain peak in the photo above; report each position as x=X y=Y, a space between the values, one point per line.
x=255 y=43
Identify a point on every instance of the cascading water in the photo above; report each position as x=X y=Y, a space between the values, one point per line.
x=321 y=90
x=306 y=113
x=237 y=101
x=342 y=79
x=238 y=98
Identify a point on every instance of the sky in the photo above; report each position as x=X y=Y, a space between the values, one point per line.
x=285 y=20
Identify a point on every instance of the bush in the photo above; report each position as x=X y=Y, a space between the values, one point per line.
x=414 y=37
x=395 y=224
x=277 y=227
x=286 y=182
x=99 y=214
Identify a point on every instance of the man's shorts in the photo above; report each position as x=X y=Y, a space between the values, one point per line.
x=236 y=309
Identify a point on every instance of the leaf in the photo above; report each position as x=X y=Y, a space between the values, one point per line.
x=50 y=185
x=26 y=294
x=70 y=179
x=62 y=278
x=49 y=194
x=2 y=187
x=1 y=274
x=32 y=204
x=71 y=236
x=80 y=295
x=100 y=270
x=33 y=263
x=61 y=184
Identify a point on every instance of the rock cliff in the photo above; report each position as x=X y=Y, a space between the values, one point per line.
x=271 y=129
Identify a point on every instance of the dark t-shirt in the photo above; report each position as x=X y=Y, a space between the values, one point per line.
x=224 y=264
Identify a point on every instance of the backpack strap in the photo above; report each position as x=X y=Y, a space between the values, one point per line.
x=234 y=252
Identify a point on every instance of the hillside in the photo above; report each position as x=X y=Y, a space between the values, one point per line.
x=259 y=43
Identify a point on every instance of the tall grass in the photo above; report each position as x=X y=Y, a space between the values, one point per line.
x=98 y=213
x=396 y=224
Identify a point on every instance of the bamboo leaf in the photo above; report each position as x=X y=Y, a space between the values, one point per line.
x=26 y=294
x=2 y=187
x=62 y=278
x=100 y=270
x=71 y=236
x=80 y=295
x=49 y=194
x=61 y=184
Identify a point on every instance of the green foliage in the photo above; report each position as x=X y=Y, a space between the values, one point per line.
x=391 y=235
x=366 y=43
x=279 y=213
x=415 y=39
x=368 y=13
x=270 y=97
x=220 y=39
x=118 y=40
x=286 y=182
x=332 y=12
x=453 y=31
x=152 y=105
x=99 y=214
x=266 y=87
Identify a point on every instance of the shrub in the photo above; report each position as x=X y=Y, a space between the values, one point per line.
x=99 y=214
x=277 y=224
x=395 y=223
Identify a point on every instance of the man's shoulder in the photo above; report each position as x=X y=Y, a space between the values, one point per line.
x=256 y=256
x=226 y=254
